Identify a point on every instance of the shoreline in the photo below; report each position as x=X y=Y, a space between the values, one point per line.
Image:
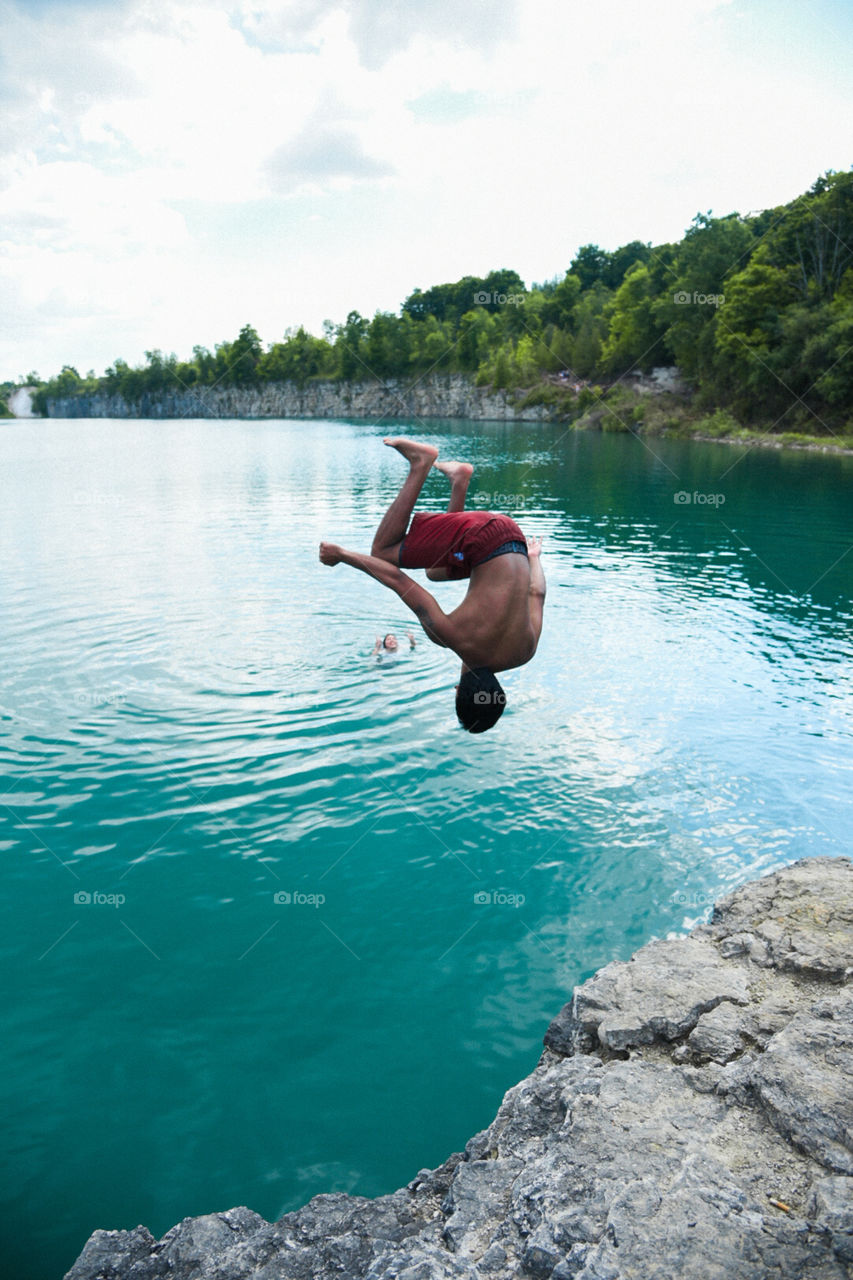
x=763 y=440
x=657 y=406
x=749 y=439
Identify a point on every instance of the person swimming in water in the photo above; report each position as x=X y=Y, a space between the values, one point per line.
x=390 y=645
x=498 y=624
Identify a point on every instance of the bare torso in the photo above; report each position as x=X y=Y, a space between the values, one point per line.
x=492 y=626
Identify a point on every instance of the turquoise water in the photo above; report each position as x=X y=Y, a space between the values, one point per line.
x=192 y=725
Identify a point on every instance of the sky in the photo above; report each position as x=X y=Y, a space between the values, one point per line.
x=171 y=170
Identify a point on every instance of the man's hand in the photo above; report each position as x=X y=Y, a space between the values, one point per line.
x=534 y=546
x=425 y=608
x=331 y=553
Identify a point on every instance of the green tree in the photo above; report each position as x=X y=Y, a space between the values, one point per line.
x=451 y=301
x=559 y=306
x=242 y=357
x=502 y=375
x=159 y=372
x=591 y=331
x=712 y=250
x=476 y=335
x=350 y=346
x=205 y=363
x=433 y=345
x=68 y=383
x=622 y=260
x=559 y=345
x=750 y=326
x=814 y=235
x=298 y=359
x=589 y=265
x=635 y=339
x=829 y=353
x=386 y=354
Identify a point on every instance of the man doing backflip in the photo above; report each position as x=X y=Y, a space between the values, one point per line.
x=498 y=624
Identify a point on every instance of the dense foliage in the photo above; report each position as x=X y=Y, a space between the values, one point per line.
x=756 y=311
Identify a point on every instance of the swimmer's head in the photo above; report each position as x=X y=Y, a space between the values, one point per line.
x=480 y=700
x=390 y=641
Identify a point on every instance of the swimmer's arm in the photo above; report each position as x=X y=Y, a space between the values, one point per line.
x=424 y=606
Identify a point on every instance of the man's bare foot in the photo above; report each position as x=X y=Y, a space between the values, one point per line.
x=455 y=470
x=413 y=450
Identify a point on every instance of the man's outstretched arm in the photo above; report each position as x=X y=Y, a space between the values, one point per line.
x=425 y=607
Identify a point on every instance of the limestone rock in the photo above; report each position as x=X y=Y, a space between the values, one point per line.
x=832 y=1206
x=720 y=1034
x=805 y=1081
x=660 y=992
x=433 y=396
x=792 y=921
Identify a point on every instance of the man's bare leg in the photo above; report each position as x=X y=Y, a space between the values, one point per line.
x=459 y=475
x=395 y=522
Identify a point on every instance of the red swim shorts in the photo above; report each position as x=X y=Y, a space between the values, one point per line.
x=459 y=540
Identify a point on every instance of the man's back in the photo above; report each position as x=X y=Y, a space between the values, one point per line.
x=492 y=626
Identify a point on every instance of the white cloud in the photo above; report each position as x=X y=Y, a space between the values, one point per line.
x=326 y=150
x=320 y=154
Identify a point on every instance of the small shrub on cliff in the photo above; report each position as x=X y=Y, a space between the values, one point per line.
x=718 y=424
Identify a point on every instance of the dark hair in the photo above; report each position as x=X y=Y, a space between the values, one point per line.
x=480 y=700
x=385 y=641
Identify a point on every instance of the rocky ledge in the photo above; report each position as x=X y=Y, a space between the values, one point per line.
x=434 y=396
x=691 y=1118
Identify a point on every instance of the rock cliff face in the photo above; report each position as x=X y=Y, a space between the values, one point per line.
x=691 y=1118
x=437 y=396
x=21 y=402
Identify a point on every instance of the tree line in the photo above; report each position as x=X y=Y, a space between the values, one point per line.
x=755 y=310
